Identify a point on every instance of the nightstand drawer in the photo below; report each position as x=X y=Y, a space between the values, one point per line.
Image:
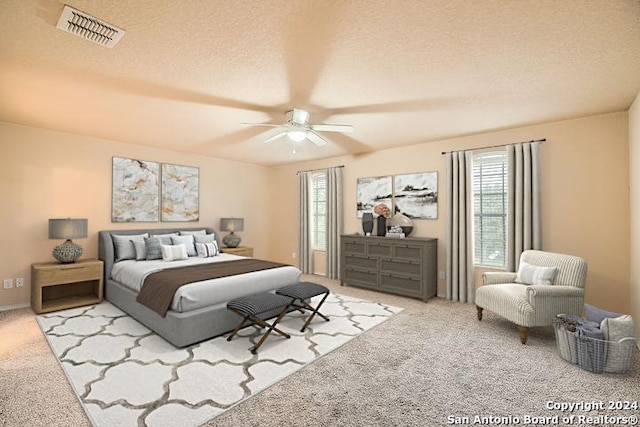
x=67 y=274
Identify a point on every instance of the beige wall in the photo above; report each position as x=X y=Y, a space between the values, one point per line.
x=585 y=179
x=46 y=174
x=634 y=166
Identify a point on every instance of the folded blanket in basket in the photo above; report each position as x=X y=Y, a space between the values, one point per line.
x=591 y=348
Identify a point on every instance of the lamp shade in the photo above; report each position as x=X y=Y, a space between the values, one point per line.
x=68 y=228
x=231 y=224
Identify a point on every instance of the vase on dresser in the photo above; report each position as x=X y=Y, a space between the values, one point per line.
x=382 y=226
x=367 y=223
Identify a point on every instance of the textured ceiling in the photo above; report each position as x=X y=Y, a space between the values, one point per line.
x=187 y=73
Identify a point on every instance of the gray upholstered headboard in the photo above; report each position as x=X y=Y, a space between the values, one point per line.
x=106 y=249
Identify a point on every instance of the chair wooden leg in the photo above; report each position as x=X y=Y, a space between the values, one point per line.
x=479 y=312
x=523 y=334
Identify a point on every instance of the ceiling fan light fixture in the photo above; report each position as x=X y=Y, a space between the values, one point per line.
x=297 y=135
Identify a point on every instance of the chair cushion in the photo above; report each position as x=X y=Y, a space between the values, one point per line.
x=529 y=274
x=508 y=300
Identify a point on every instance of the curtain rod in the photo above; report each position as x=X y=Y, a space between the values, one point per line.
x=499 y=145
x=319 y=169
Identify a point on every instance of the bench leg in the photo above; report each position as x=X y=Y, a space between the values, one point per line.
x=314 y=311
x=272 y=327
x=240 y=325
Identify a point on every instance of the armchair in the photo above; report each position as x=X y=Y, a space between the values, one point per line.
x=526 y=302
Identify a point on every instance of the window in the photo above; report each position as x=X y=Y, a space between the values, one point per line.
x=490 y=208
x=319 y=210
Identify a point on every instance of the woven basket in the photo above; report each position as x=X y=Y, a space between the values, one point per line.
x=594 y=355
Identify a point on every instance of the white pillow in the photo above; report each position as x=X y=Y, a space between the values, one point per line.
x=174 y=252
x=206 y=250
x=619 y=333
x=124 y=246
x=192 y=233
x=529 y=274
x=187 y=241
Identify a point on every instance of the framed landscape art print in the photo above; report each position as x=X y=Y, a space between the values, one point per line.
x=416 y=194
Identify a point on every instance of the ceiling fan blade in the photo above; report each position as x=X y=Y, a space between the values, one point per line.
x=333 y=128
x=276 y=136
x=316 y=139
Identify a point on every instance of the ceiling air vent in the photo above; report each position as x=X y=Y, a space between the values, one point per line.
x=86 y=26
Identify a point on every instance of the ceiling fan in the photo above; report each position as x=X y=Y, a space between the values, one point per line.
x=297 y=128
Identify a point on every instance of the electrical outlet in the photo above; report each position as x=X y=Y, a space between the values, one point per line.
x=19 y=282
x=293 y=255
x=442 y=275
x=8 y=283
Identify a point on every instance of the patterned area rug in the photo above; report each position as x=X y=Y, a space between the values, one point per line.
x=125 y=375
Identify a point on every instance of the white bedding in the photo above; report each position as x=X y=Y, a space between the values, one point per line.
x=196 y=295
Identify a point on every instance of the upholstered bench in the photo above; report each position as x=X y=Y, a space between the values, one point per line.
x=300 y=293
x=252 y=307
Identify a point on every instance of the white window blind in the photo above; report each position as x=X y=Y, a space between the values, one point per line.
x=319 y=210
x=490 y=203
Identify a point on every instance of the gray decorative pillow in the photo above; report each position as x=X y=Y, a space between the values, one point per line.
x=187 y=241
x=206 y=250
x=124 y=246
x=529 y=274
x=192 y=232
x=207 y=238
x=154 y=246
x=141 y=250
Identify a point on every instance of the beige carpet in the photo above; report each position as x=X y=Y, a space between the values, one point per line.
x=430 y=362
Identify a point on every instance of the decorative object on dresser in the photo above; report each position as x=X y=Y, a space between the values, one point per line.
x=69 y=228
x=57 y=286
x=231 y=240
x=239 y=250
x=367 y=223
x=403 y=266
x=404 y=222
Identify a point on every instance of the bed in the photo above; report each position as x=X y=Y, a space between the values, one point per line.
x=198 y=310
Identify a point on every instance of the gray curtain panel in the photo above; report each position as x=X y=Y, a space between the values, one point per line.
x=334 y=221
x=524 y=213
x=459 y=233
x=305 y=251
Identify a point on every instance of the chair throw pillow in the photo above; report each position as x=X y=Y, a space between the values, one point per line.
x=529 y=274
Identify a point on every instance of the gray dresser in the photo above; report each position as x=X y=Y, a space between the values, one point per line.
x=403 y=266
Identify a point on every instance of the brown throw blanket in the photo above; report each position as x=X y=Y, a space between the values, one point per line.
x=159 y=287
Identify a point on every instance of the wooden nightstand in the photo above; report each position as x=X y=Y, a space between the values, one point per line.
x=56 y=286
x=240 y=250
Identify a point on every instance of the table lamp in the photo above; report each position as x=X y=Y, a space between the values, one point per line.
x=231 y=240
x=69 y=228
